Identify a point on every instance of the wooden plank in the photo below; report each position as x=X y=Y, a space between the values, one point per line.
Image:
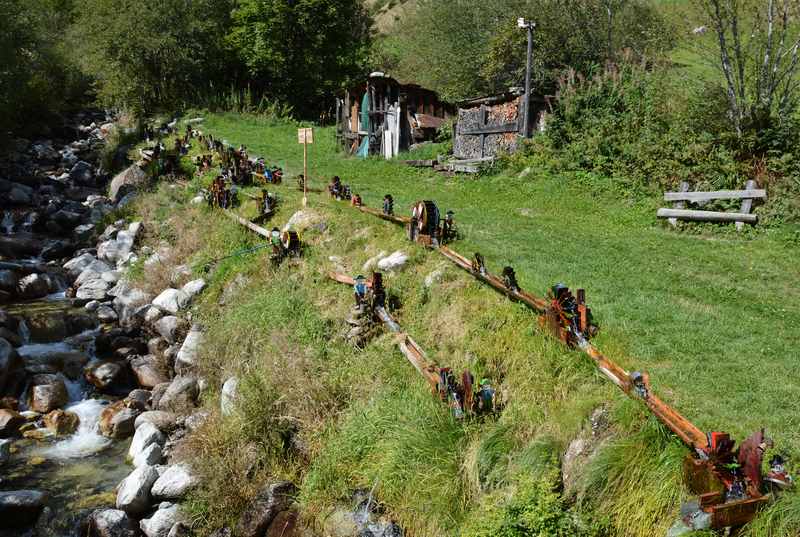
x=747 y=203
x=492 y=129
x=679 y=205
x=249 y=225
x=717 y=195
x=707 y=216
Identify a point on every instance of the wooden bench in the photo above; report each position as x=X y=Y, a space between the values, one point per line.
x=679 y=199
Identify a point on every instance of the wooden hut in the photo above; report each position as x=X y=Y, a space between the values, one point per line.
x=381 y=116
x=488 y=126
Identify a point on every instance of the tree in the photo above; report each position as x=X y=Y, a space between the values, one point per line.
x=150 y=54
x=760 y=67
x=464 y=48
x=300 y=51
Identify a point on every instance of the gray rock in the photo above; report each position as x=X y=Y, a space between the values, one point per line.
x=194 y=288
x=76 y=265
x=133 y=493
x=92 y=271
x=162 y=521
x=227 y=399
x=150 y=456
x=117 y=420
x=167 y=327
x=130 y=179
x=127 y=300
x=171 y=300
x=84 y=233
x=106 y=314
x=112 y=523
x=145 y=434
x=92 y=306
x=20 y=508
x=174 y=483
x=34 y=286
x=96 y=289
x=181 y=395
x=163 y=421
x=152 y=314
x=186 y=360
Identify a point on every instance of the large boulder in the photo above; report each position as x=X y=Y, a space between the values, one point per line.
x=148 y=372
x=34 y=286
x=145 y=435
x=174 y=483
x=168 y=327
x=111 y=523
x=91 y=270
x=130 y=179
x=95 y=289
x=181 y=395
x=186 y=360
x=108 y=377
x=160 y=524
x=20 y=508
x=163 y=421
x=127 y=300
x=171 y=300
x=78 y=264
x=133 y=493
x=258 y=516
x=117 y=420
x=10 y=422
x=62 y=422
x=47 y=393
x=150 y=456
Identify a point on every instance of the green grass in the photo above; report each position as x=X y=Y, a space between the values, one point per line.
x=713 y=318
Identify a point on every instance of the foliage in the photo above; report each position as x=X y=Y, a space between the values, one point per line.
x=463 y=48
x=300 y=52
x=152 y=54
x=533 y=509
x=36 y=77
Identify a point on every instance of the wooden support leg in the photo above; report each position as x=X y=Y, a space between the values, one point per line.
x=679 y=204
x=747 y=203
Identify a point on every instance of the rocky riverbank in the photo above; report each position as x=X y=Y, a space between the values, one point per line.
x=86 y=360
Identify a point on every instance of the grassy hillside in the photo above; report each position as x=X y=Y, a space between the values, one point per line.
x=712 y=317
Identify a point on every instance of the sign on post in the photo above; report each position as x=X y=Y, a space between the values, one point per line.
x=305 y=136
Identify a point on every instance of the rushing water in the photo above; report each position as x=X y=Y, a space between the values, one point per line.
x=79 y=472
x=7 y=223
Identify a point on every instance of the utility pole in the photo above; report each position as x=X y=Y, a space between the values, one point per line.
x=529 y=25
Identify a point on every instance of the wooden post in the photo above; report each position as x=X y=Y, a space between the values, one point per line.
x=747 y=203
x=679 y=204
x=305 y=171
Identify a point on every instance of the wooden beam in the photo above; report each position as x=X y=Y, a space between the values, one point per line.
x=707 y=216
x=715 y=195
x=246 y=223
x=492 y=129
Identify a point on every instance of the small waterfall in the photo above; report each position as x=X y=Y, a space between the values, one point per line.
x=87 y=440
x=7 y=223
x=30 y=219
